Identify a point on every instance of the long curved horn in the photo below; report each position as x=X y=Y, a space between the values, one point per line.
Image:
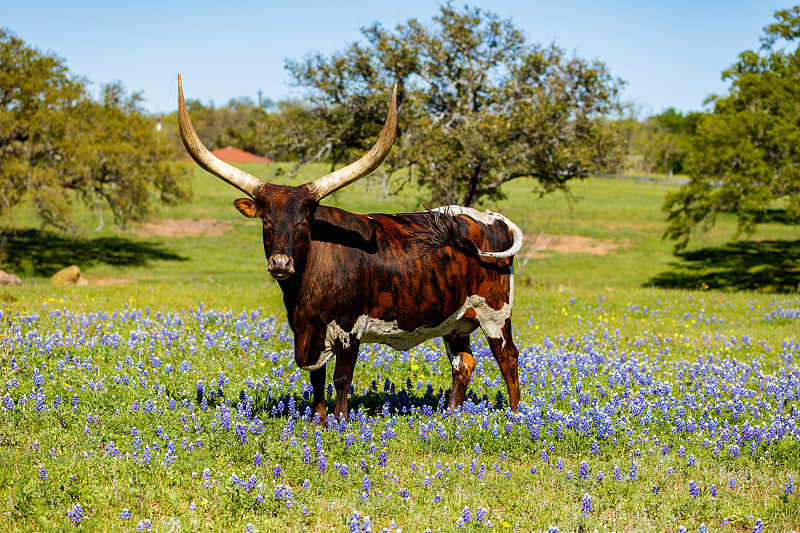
x=337 y=179
x=247 y=183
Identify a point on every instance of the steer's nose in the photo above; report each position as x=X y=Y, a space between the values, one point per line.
x=281 y=266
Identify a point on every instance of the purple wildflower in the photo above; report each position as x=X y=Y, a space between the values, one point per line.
x=584 y=470
x=693 y=489
x=76 y=514
x=586 y=504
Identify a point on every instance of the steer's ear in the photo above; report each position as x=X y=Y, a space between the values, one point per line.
x=247 y=207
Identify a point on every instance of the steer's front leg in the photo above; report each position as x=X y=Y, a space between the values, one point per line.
x=343 y=376
x=307 y=354
x=318 y=384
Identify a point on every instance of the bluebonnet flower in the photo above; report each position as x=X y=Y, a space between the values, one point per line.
x=733 y=451
x=789 y=488
x=76 y=513
x=306 y=454
x=584 y=470
x=144 y=525
x=759 y=526
x=147 y=455
x=586 y=504
x=713 y=491
x=42 y=474
x=126 y=514
x=634 y=471
x=617 y=473
x=283 y=492
x=693 y=489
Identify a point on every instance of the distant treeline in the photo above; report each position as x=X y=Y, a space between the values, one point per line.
x=282 y=131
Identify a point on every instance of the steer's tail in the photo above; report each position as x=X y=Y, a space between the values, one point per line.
x=445 y=230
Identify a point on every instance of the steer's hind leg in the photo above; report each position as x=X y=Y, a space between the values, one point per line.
x=463 y=363
x=506 y=354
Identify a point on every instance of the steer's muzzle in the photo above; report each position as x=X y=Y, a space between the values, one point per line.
x=281 y=266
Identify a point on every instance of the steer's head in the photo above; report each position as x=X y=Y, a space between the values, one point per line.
x=285 y=211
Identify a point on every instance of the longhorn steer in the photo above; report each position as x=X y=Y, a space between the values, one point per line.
x=397 y=279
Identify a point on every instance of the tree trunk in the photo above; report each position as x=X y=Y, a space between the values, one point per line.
x=472 y=194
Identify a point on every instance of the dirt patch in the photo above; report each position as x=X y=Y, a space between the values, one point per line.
x=183 y=227
x=107 y=281
x=570 y=244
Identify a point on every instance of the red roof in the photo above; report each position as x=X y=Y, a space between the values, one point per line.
x=230 y=154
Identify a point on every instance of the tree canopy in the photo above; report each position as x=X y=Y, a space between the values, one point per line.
x=54 y=139
x=745 y=155
x=479 y=104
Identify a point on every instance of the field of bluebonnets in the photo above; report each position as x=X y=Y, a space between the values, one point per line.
x=170 y=401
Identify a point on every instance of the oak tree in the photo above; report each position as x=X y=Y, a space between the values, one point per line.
x=479 y=104
x=745 y=156
x=58 y=144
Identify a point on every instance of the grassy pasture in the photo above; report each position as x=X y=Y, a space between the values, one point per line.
x=163 y=388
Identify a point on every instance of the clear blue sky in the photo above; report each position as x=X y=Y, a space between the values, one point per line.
x=671 y=52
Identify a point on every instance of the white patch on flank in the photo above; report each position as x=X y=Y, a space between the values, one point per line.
x=372 y=330
x=456 y=362
x=487 y=217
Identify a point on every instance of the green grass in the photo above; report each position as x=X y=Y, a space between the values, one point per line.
x=641 y=303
